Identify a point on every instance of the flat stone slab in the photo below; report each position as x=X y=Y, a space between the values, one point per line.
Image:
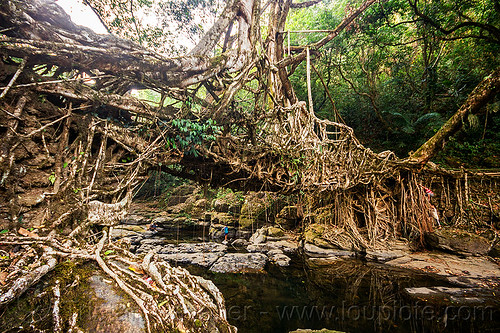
x=319 y=252
x=111 y=313
x=240 y=263
x=279 y=258
x=455 y=295
x=471 y=272
x=283 y=245
x=200 y=259
x=384 y=255
x=121 y=231
x=193 y=248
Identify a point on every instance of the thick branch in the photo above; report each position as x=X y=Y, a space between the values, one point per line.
x=304 y=4
x=478 y=98
x=344 y=24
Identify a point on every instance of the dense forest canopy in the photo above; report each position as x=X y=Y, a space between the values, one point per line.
x=395 y=76
x=406 y=67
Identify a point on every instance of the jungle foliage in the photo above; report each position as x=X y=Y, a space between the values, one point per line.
x=401 y=71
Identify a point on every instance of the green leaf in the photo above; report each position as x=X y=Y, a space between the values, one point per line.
x=65 y=165
x=4 y=231
x=108 y=252
x=162 y=303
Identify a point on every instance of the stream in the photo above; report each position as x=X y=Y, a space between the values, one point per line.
x=347 y=295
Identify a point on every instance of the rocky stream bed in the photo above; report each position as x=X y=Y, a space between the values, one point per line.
x=275 y=279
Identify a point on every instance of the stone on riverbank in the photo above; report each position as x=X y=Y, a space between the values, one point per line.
x=457 y=241
x=479 y=272
x=318 y=252
x=240 y=263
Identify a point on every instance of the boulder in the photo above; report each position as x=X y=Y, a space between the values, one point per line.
x=127 y=231
x=383 y=256
x=313 y=231
x=113 y=312
x=279 y=258
x=457 y=241
x=261 y=247
x=240 y=263
x=240 y=242
x=229 y=203
x=259 y=208
x=209 y=247
x=225 y=219
x=469 y=296
x=275 y=232
x=282 y=245
x=259 y=236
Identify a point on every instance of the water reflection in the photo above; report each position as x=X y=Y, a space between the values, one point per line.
x=350 y=296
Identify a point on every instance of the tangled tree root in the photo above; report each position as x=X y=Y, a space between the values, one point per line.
x=169 y=297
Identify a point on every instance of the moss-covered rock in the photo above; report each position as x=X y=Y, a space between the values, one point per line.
x=457 y=241
x=275 y=232
x=259 y=208
x=229 y=202
x=314 y=231
x=225 y=219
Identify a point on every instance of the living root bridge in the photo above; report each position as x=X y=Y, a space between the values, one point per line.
x=169 y=299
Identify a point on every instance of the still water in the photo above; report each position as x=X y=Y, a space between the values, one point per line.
x=349 y=296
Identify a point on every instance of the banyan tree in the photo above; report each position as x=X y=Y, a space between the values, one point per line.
x=76 y=145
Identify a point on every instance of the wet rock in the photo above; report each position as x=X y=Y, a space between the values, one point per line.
x=240 y=263
x=240 y=242
x=318 y=252
x=319 y=262
x=454 y=295
x=282 y=245
x=279 y=258
x=114 y=312
x=384 y=255
x=200 y=259
x=457 y=241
